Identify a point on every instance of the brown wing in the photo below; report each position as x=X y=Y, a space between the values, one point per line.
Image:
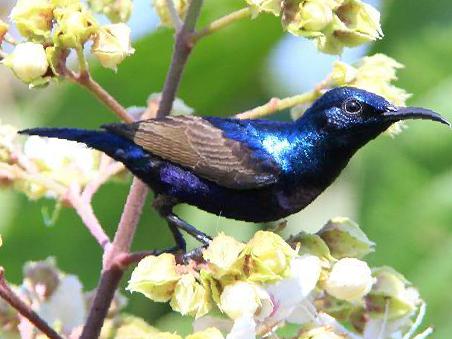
x=194 y=143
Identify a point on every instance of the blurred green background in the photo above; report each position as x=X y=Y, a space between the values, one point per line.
x=399 y=190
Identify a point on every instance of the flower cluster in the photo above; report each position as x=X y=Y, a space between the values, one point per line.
x=374 y=73
x=52 y=28
x=315 y=285
x=45 y=167
x=332 y=24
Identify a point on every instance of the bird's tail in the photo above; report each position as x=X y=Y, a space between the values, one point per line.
x=113 y=145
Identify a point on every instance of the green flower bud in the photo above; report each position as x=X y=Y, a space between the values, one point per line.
x=314 y=245
x=155 y=277
x=115 y=10
x=344 y=238
x=392 y=295
x=28 y=61
x=163 y=12
x=33 y=19
x=75 y=26
x=190 y=297
x=112 y=45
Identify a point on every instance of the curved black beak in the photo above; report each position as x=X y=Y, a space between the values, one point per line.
x=404 y=113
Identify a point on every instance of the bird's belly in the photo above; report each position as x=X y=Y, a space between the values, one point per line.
x=256 y=205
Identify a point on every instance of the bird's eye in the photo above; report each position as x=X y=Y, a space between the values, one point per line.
x=352 y=106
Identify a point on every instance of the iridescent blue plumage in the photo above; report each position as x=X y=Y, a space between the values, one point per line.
x=253 y=170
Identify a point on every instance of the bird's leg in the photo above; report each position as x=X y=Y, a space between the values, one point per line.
x=193 y=231
x=164 y=205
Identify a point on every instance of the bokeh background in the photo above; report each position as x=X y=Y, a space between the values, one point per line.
x=398 y=189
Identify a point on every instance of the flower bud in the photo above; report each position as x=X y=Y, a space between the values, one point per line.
x=112 y=45
x=155 y=277
x=3 y=30
x=33 y=18
x=350 y=279
x=361 y=20
x=393 y=291
x=190 y=297
x=28 y=61
x=161 y=7
x=75 y=26
x=269 y=255
x=223 y=253
x=344 y=238
x=311 y=17
x=115 y=10
x=243 y=298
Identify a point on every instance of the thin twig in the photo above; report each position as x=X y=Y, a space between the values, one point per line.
x=221 y=23
x=85 y=80
x=175 y=18
x=131 y=258
x=86 y=213
x=112 y=169
x=12 y=299
x=182 y=49
x=112 y=273
x=277 y=104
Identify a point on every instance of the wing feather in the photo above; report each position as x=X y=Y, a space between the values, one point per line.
x=194 y=143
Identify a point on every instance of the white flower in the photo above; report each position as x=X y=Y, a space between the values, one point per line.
x=287 y=294
x=28 y=61
x=350 y=279
x=245 y=299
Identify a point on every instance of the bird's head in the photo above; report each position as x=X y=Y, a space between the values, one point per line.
x=355 y=115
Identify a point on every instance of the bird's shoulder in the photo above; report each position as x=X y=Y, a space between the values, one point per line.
x=225 y=151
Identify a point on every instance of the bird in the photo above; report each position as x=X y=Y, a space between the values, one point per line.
x=251 y=170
